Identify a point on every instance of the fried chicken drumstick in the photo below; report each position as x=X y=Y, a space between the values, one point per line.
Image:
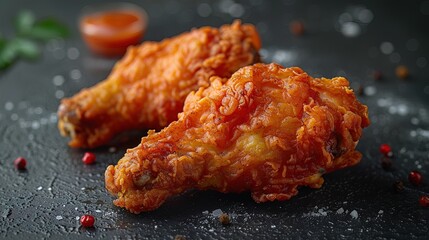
x=267 y=130
x=148 y=87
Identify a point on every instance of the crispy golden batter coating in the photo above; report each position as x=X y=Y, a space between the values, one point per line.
x=266 y=130
x=148 y=87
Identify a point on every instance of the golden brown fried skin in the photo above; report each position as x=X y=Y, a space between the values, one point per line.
x=267 y=130
x=148 y=87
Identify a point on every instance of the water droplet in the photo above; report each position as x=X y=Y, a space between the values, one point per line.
x=8 y=106
x=387 y=48
x=73 y=53
x=365 y=16
x=395 y=57
x=421 y=62
x=412 y=44
x=59 y=94
x=236 y=10
x=350 y=29
x=75 y=74
x=370 y=91
x=58 y=80
x=204 y=10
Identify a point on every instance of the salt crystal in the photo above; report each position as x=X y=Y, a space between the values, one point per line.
x=58 y=80
x=75 y=208
x=75 y=74
x=14 y=117
x=380 y=212
x=350 y=29
x=340 y=211
x=354 y=214
x=217 y=213
x=273 y=226
x=49 y=189
x=415 y=121
x=98 y=211
x=387 y=48
x=205 y=212
x=8 y=106
x=421 y=62
x=59 y=94
x=73 y=53
x=77 y=218
x=236 y=10
x=39 y=188
x=370 y=91
x=59 y=217
x=204 y=10
x=412 y=44
x=82 y=188
x=365 y=16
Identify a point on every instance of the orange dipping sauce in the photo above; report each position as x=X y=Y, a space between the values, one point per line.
x=109 y=32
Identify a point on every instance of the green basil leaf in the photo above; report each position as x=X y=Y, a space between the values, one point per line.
x=47 y=29
x=26 y=48
x=24 y=21
x=8 y=54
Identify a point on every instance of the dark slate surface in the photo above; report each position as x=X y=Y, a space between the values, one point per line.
x=57 y=188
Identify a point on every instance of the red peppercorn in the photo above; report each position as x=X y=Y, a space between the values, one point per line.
x=377 y=75
x=20 y=163
x=385 y=149
x=297 y=28
x=88 y=158
x=424 y=201
x=87 y=221
x=415 y=178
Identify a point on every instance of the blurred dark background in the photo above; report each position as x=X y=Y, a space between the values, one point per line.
x=364 y=41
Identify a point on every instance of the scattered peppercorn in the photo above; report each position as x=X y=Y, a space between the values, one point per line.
x=398 y=186
x=297 y=28
x=424 y=201
x=377 y=75
x=385 y=149
x=224 y=219
x=88 y=158
x=386 y=163
x=20 y=163
x=402 y=72
x=179 y=237
x=415 y=178
x=87 y=221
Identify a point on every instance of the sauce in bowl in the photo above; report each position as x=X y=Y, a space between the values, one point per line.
x=109 y=29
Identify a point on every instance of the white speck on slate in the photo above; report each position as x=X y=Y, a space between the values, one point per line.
x=98 y=211
x=39 y=188
x=49 y=189
x=59 y=217
x=59 y=94
x=354 y=214
x=217 y=213
x=8 y=106
x=73 y=53
x=387 y=48
x=77 y=218
x=75 y=74
x=370 y=91
x=340 y=211
x=58 y=80
x=380 y=212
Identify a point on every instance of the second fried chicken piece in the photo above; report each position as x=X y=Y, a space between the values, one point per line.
x=267 y=130
x=148 y=87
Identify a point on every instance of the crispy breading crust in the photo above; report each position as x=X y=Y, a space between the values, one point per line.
x=148 y=87
x=267 y=130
